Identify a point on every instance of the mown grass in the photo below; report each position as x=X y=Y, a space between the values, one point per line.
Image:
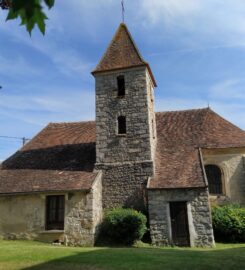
x=37 y=256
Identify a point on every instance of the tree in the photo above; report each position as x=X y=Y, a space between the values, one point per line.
x=29 y=11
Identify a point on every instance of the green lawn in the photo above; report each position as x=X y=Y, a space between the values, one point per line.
x=34 y=256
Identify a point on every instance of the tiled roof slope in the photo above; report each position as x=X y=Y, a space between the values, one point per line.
x=29 y=181
x=56 y=134
x=59 y=146
x=122 y=53
x=179 y=135
x=220 y=133
x=62 y=153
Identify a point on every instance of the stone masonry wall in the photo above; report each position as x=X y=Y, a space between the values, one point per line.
x=79 y=220
x=125 y=184
x=126 y=160
x=136 y=144
x=199 y=217
x=97 y=207
x=232 y=165
x=83 y=215
x=23 y=217
x=151 y=112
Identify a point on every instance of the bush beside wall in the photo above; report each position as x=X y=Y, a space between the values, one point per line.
x=229 y=223
x=123 y=226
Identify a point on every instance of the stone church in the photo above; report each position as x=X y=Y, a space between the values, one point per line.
x=170 y=165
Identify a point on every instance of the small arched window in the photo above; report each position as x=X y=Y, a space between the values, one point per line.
x=213 y=173
x=120 y=86
x=121 y=123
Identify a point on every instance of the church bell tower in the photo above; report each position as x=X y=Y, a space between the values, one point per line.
x=125 y=122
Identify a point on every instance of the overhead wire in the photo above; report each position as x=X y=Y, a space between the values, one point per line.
x=23 y=139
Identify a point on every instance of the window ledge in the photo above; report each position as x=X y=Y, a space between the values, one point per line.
x=121 y=135
x=52 y=231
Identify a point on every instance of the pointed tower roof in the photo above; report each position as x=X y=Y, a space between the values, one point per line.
x=122 y=53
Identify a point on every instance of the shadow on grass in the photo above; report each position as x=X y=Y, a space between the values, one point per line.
x=149 y=259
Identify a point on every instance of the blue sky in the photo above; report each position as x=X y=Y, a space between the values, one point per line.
x=196 y=49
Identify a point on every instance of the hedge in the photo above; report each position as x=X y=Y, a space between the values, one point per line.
x=124 y=226
x=229 y=223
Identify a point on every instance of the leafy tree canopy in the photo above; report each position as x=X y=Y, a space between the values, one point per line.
x=30 y=12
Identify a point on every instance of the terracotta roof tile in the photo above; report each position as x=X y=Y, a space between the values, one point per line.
x=29 y=181
x=177 y=168
x=59 y=146
x=122 y=53
x=60 y=157
x=56 y=134
x=179 y=135
x=220 y=133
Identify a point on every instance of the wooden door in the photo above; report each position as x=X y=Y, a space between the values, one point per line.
x=179 y=224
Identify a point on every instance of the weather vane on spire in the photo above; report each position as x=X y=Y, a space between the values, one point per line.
x=123 y=10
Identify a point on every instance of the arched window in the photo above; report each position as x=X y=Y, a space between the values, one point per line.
x=213 y=173
x=120 y=86
x=121 y=123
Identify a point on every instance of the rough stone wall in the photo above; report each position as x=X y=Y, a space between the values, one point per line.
x=78 y=221
x=199 y=217
x=151 y=112
x=126 y=160
x=83 y=215
x=136 y=144
x=124 y=184
x=232 y=165
x=23 y=217
x=97 y=207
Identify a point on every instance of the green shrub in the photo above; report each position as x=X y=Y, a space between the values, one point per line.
x=124 y=226
x=229 y=223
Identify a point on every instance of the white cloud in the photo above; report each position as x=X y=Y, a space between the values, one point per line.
x=221 y=20
x=201 y=22
x=228 y=89
x=168 y=11
x=66 y=59
x=69 y=61
x=42 y=109
x=198 y=49
x=17 y=66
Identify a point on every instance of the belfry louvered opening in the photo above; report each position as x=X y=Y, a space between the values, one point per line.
x=121 y=123
x=120 y=86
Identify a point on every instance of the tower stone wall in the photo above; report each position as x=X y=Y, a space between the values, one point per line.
x=136 y=106
x=125 y=159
